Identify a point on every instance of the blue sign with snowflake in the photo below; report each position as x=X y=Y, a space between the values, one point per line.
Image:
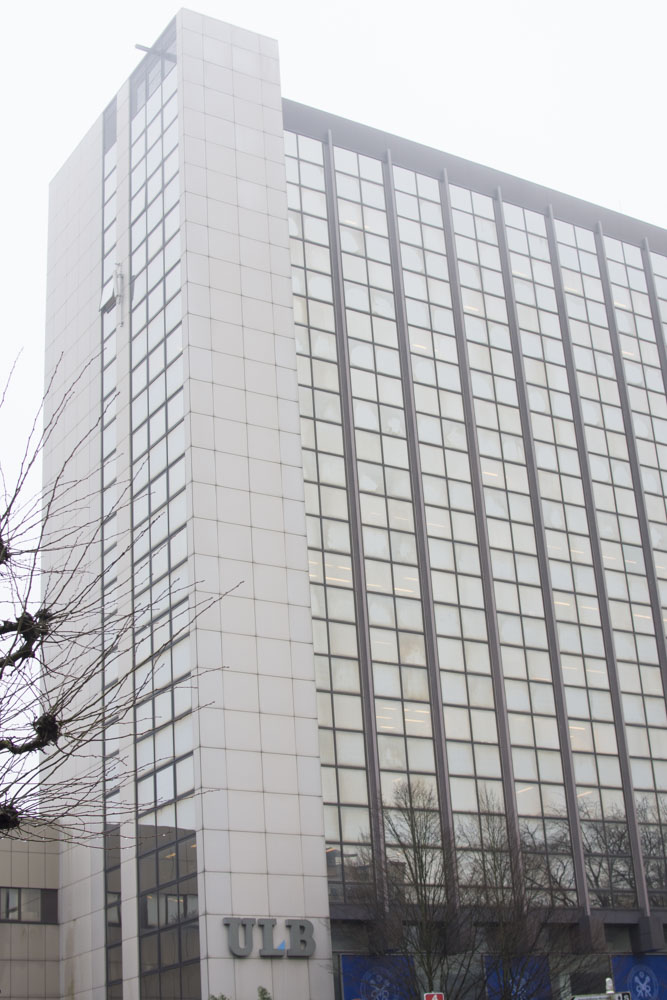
x=643 y=976
x=523 y=979
x=385 y=977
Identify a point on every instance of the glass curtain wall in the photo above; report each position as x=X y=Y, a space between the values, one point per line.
x=166 y=843
x=445 y=550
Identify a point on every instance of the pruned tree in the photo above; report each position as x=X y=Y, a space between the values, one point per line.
x=62 y=693
x=508 y=888
x=654 y=847
x=607 y=854
x=423 y=908
x=53 y=647
x=413 y=904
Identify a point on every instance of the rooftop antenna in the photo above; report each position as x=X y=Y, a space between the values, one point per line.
x=155 y=51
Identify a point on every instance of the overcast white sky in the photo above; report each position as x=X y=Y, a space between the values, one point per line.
x=568 y=93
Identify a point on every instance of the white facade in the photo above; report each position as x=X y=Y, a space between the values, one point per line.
x=256 y=799
x=28 y=944
x=420 y=348
x=72 y=319
x=262 y=846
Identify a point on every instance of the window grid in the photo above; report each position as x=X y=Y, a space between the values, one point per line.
x=110 y=308
x=645 y=388
x=528 y=688
x=388 y=546
x=344 y=777
x=169 y=943
x=472 y=745
x=400 y=681
x=616 y=514
x=588 y=704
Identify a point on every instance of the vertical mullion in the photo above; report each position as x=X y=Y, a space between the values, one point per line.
x=482 y=531
x=635 y=470
x=598 y=569
x=655 y=308
x=109 y=117
x=356 y=554
x=661 y=347
x=543 y=561
x=421 y=534
x=633 y=458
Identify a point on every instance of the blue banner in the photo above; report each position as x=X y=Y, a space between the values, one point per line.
x=526 y=979
x=643 y=976
x=385 y=977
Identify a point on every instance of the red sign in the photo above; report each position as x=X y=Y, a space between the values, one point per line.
x=434 y=996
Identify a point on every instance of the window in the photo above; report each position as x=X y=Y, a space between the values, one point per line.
x=35 y=906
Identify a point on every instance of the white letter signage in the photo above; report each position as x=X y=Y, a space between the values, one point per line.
x=240 y=937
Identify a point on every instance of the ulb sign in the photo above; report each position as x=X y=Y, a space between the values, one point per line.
x=299 y=942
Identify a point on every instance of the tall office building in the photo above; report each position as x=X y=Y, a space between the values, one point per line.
x=316 y=352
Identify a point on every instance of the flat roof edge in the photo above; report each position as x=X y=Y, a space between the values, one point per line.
x=475 y=176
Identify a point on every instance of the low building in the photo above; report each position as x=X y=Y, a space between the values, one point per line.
x=29 y=936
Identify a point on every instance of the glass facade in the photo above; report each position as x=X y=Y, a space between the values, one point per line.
x=166 y=843
x=483 y=420
x=483 y=407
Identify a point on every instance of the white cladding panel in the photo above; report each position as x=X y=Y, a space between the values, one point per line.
x=261 y=841
x=259 y=817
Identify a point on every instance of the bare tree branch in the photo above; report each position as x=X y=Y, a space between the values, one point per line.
x=473 y=922
x=70 y=622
